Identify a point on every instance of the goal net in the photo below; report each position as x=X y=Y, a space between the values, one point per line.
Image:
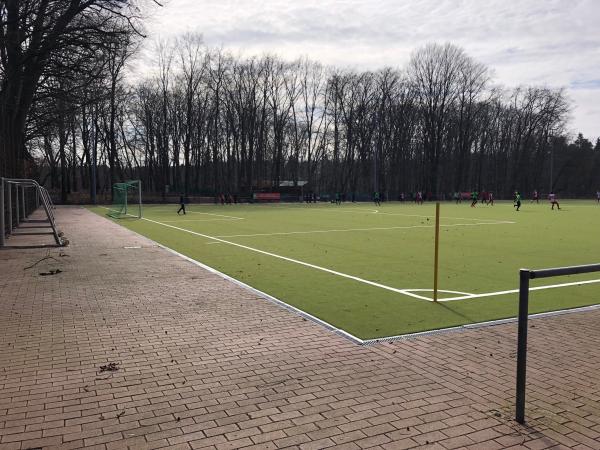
x=127 y=200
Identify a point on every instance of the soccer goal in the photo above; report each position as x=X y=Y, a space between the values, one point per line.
x=127 y=200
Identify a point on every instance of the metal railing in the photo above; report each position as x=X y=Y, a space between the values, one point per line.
x=524 y=276
x=22 y=208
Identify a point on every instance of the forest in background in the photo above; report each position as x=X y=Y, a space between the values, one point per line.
x=204 y=121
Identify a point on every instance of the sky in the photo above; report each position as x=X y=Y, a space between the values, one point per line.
x=554 y=43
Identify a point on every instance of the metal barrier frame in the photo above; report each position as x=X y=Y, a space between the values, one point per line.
x=42 y=197
x=524 y=276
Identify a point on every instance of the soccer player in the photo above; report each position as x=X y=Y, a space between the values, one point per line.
x=517 y=200
x=456 y=197
x=376 y=199
x=181 y=204
x=598 y=196
x=536 y=197
x=419 y=198
x=474 y=197
x=338 y=198
x=491 y=198
x=553 y=201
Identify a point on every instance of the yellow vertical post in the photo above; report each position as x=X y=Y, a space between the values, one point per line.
x=437 y=248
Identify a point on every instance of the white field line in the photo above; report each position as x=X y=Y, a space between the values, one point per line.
x=350 y=336
x=445 y=217
x=295 y=261
x=514 y=291
x=285 y=233
x=408 y=292
x=199 y=220
x=377 y=211
x=218 y=215
x=204 y=213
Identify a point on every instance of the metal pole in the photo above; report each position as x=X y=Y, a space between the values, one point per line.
x=2 y=224
x=524 y=276
x=551 y=168
x=375 y=181
x=10 y=213
x=93 y=181
x=23 y=203
x=17 y=204
x=437 y=250
x=140 y=197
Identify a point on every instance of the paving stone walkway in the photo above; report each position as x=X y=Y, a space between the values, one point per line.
x=203 y=363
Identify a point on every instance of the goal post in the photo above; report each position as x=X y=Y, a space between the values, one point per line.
x=127 y=200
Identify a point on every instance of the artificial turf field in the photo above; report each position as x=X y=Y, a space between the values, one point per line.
x=368 y=270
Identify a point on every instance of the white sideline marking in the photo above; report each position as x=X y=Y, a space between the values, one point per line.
x=296 y=261
x=362 y=229
x=267 y=297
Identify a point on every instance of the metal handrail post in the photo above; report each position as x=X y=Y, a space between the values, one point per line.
x=2 y=224
x=140 y=199
x=17 y=210
x=524 y=276
x=10 y=209
x=25 y=215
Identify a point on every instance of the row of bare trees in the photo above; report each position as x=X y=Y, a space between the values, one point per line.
x=204 y=121
x=50 y=51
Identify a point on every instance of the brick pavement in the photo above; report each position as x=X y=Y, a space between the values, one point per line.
x=204 y=363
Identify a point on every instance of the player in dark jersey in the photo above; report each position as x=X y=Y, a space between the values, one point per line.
x=517 y=200
x=181 y=204
x=553 y=201
x=474 y=197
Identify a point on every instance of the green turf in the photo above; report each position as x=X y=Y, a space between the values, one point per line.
x=477 y=255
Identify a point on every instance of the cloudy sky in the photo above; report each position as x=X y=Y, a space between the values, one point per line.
x=545 y=42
